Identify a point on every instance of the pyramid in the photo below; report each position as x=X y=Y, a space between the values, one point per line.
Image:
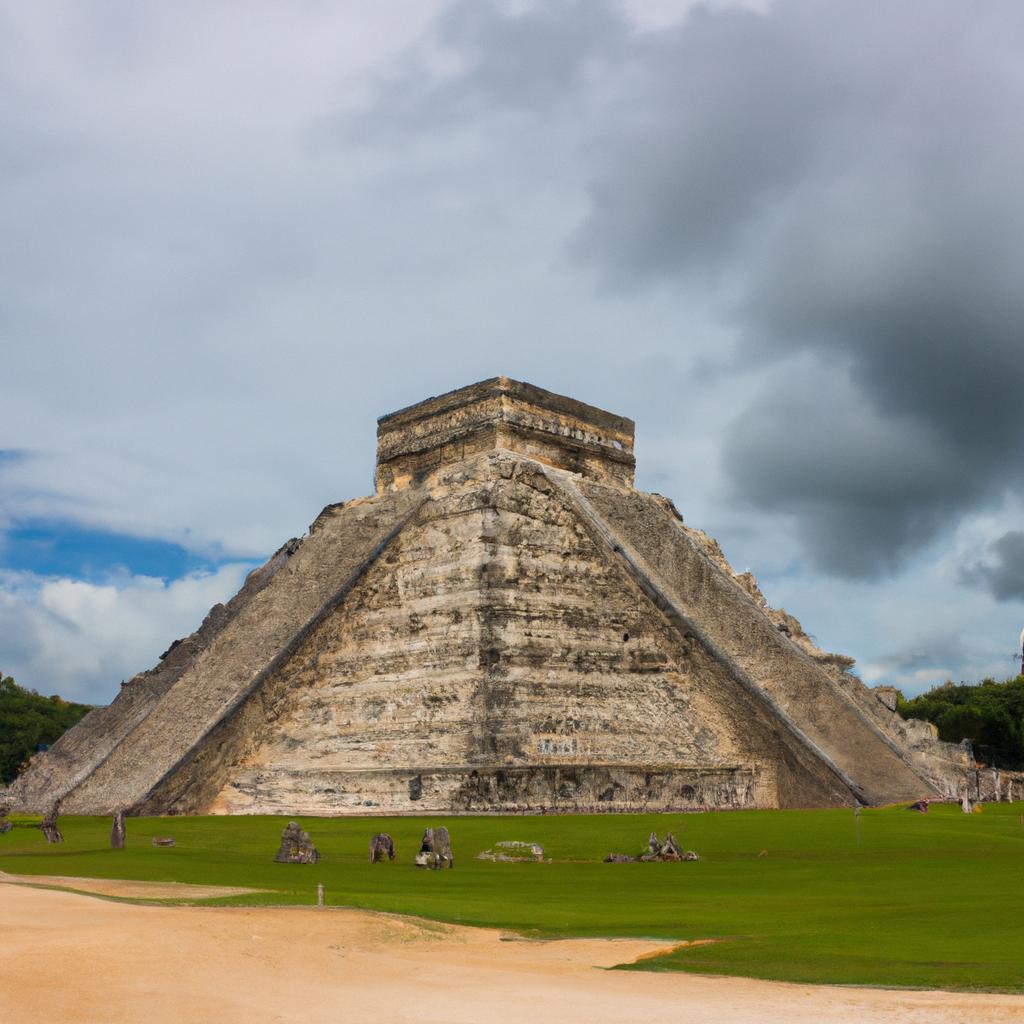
x=506 y=625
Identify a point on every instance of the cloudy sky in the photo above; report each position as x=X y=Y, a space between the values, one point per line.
x=786 y=237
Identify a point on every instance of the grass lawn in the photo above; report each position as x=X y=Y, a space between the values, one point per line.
x=932 y=900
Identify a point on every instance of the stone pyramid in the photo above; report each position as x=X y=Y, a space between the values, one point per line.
x=506 y=625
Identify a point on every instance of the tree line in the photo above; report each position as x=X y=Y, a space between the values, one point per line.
x=29 y=721
x=989 y=714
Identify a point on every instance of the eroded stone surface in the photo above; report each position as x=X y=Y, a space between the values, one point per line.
x=117 y=831
x=296 y=846
x=500 y=413
x=51 y=831
x=435 y=850
x=382 y=847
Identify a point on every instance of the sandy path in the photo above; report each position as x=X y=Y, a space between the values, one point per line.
x=70 y=958
x=128 y=889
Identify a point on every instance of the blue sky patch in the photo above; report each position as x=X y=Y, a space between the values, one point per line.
x=64 y=549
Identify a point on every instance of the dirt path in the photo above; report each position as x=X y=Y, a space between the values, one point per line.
x=128 y=889
x=75 y=959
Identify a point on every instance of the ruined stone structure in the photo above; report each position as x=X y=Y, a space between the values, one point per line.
x=506 y=625
x=382 y=848
x=435 y=849
x=296 y=846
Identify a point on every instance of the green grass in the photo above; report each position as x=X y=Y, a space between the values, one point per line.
x=932 y=900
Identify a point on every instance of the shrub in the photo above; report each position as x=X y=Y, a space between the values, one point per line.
x=28 y=721
x=989 y=714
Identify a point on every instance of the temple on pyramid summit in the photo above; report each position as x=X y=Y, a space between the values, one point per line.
x=506 y=625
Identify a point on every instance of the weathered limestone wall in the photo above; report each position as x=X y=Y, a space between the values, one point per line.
x=719 y=605
x=502 y=413
x=468 y=789
x=494 y=658
x=222 y=673
x=947 y=768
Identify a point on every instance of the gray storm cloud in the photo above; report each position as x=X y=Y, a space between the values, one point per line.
x=846 y=176
x=1001 y=571
x=839 y=183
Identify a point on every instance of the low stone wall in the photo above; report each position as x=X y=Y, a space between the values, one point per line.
x=464 y=789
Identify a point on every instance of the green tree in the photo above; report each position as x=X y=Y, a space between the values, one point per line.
x=28 y=720
x=989 y=714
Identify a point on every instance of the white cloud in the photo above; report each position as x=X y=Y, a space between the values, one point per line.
x=915 y=632
x=81 y=639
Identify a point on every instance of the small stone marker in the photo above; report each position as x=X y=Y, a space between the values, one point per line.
x=49 y=825
x=319 y=894
x=296 y=846
x=163 y=841
x=117 y=831
x=435 y=850
x=381 y=846
x=653 y=846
